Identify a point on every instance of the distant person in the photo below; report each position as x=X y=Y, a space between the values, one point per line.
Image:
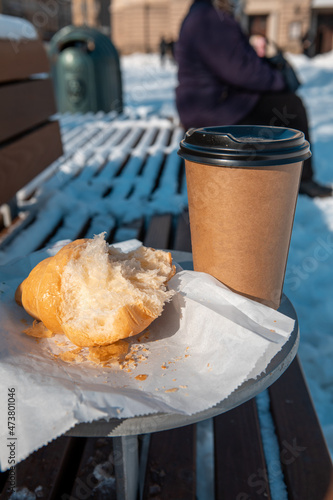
x=222 y=81
x=163 y=49
x=171 y=48
x=308 y=44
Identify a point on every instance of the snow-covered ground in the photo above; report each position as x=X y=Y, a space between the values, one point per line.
x=309 y=276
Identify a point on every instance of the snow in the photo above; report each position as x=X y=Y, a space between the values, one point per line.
x=14 y=28
x=22 y=494
x=271 y=449
x=309 y=276
x=148 y=90
x=316 y=4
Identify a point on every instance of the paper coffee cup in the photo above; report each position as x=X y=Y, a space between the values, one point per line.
x=242 y=184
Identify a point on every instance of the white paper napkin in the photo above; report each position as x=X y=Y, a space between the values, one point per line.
x=207 y=342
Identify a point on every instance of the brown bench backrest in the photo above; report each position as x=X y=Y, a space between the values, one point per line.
x=29 y=141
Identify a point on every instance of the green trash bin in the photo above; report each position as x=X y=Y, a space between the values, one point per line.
x=85 y=70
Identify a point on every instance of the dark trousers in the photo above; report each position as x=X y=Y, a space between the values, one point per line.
x=282 y=110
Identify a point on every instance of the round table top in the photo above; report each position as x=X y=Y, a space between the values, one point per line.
x=163 y=421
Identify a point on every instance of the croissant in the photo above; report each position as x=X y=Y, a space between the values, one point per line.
x=96 y=294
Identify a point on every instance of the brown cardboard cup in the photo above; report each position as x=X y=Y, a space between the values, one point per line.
x=242 y=185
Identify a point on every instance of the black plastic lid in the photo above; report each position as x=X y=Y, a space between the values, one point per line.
x=244 y=146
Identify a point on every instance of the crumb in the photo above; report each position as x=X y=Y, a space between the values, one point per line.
x=132 y=362
x=187 y=355
x=144 y=336
x=174 y=389
x=68 y=356
x=141 y=377
x=102 y=354
x=174 y=380
x=183 y=386
x=38 y=330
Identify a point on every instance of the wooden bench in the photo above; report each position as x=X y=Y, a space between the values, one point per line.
x=71 y=468
x=29 y=137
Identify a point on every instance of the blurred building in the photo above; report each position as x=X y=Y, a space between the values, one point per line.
x=48 y=16
x=93 y=13
x=140 y=25
x=294 y=25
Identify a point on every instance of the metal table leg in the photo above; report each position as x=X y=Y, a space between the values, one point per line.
x=126 y=463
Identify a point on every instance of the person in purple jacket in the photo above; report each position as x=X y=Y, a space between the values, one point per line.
x=222 y=81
